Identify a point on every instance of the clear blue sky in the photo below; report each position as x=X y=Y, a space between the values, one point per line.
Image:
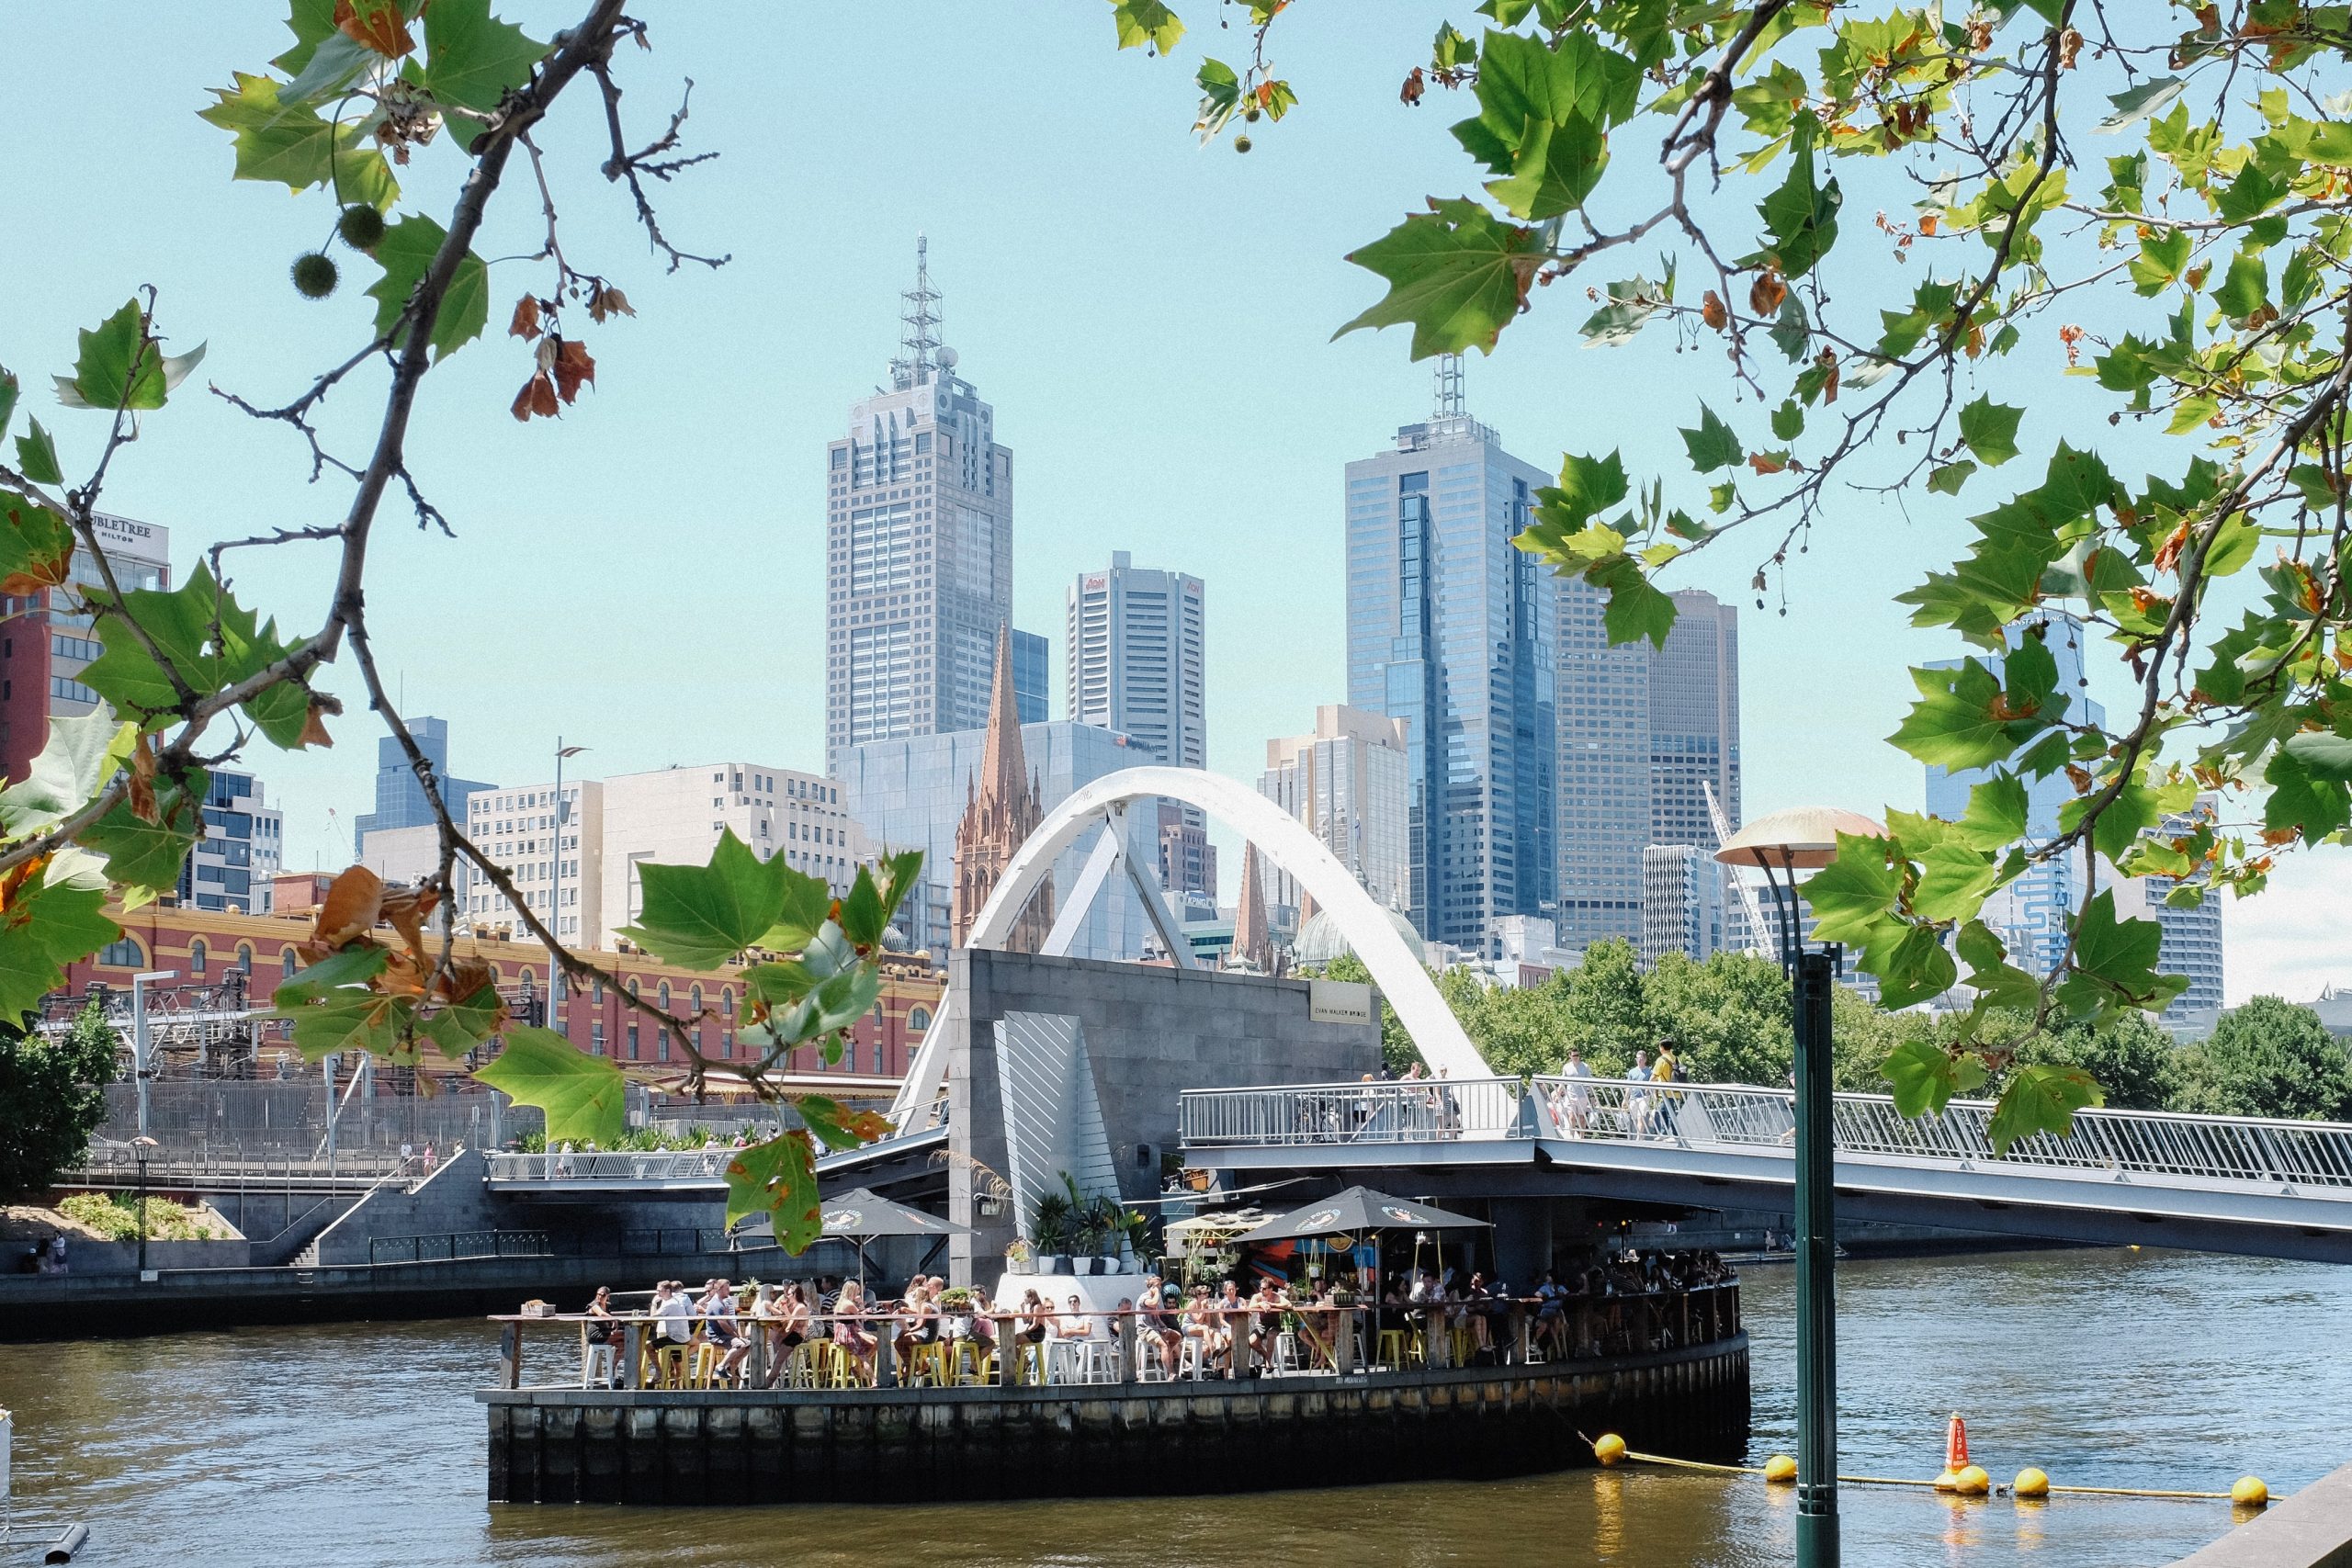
x=1152 y=321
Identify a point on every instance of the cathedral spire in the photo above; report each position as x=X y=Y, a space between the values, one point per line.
x=1004 y=807
x=1253 y=942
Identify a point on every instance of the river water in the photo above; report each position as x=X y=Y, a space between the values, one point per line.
x=350 y=1446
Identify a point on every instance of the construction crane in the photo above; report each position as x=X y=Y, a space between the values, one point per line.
x=1758 y=932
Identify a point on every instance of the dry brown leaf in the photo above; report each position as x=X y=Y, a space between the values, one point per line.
x=350 y=908
x=406 y=909
x=377 y=24
x=526 y=324
x=537 y=397
x=572 y=366
x=142 y=782
x=1712 y=311
x=604 y=301
x=1764 y=296
x=315 y=727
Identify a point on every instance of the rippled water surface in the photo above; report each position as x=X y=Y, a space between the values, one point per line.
x=351 y=1445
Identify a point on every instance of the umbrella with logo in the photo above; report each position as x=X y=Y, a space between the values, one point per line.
x=862 y=1216
x=1360 y=1211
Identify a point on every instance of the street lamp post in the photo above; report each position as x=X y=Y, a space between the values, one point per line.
x=555 y=885
x=141 y=1064
x=140 y=1147
x=1805 y=839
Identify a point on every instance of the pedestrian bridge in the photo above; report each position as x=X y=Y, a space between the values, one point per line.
x=2212 y=1184
x=699 y=1173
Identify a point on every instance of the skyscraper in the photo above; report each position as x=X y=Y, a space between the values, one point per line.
x=1346 y=783
x=2192 y=941
x=1137 y=658
x=1033 y=659
x=242 y=848
x=919 y=546
x=1645 y=733
x=1450 y=629
x=399 y=798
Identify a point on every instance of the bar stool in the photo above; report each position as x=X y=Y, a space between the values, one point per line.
x=1392 y=1348
x=1290 y=1357
x=599 y=1366
x=667 y=1365
x=1191 y=1363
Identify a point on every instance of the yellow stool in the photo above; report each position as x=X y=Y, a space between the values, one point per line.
x=962 y=1360
x=1460 y=1345
x=1392 y=1348
x=666 y=1366
x=704 y=1365
x=1029 y=1367
x=928 y=1366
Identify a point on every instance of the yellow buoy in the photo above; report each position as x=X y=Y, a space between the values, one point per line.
x=2250 y=1492
x=2031 y=1483
x=1610 y=1449
x=1972 y=1481
x=1946 y=1480
x=1781 y=1470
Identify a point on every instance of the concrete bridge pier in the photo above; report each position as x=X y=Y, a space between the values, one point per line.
x=1521 y=1239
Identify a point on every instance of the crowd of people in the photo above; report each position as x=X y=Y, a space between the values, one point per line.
x=753 y=1335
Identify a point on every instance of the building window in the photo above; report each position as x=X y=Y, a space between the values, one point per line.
x=919 y=1020
x=661 y=994
x=245 y=959
x=195 y=959
x=285 y=962
x=596 y=1037
x=122 y=953
x=632 y=1039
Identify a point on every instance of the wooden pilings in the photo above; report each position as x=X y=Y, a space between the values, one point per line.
x=894 y=1445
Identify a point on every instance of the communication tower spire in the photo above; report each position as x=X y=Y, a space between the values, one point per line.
x=1447 y=376
x=919 y=323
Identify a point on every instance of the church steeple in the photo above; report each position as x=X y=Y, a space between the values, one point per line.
x=1002 y=808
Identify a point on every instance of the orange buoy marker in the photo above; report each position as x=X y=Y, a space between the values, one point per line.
x=1611 y=1449
x=2249 y=1492
x=2031 y=1482
x=1955 y=1455
x=1781 y=1470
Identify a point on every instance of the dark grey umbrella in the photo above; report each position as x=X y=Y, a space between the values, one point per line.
x=860 y=1215
x=1357 y=1208
x=863 y=1215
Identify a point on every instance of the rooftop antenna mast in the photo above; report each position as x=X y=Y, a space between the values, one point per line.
x=1447 y=376
x=919 y=321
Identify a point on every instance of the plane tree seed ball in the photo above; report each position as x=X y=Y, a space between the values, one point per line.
x=361 y=226
x=1241 y=144
x=315 y=276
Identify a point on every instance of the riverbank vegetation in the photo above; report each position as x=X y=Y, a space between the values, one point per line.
x=1729 y=1019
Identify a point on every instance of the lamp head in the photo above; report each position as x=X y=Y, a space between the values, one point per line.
x=1803 y=838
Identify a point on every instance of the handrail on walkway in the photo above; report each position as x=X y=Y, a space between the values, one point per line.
x=2271 y=1152
x=654 y=1165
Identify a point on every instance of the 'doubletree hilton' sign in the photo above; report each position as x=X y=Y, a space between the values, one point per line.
x=1338 y=1001
x=142 y=539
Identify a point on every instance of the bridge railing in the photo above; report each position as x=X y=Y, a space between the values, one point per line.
x=682 y=1164
x=2161 y=1144
x=1419 y=1110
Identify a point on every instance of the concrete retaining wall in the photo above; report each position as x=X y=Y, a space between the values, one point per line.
x=592 y=1446
x=2311 y=1530
x=452 y=1198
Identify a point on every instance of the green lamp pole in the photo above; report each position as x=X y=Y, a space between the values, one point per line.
x=1805 y=839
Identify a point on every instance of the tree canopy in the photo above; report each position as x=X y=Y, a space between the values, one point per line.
x=2147 y=208
x=52 y=1097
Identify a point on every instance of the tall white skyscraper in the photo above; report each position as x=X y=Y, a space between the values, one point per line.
x=917 y=546
x=1137 y=659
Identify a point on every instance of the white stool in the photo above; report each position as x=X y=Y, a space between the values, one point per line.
x=597 y=1367
x=1190 y=1362
x=1290 y=1357
x=1149 y=1367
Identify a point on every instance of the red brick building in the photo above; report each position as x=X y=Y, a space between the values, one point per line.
x=251 y=954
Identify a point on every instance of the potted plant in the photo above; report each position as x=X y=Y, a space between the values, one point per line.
x=1049 y=1226
x=1018 y=1256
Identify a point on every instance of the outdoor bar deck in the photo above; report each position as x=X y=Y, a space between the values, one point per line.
x=922 y=1437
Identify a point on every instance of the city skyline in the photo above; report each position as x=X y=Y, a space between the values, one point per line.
x=744 y=383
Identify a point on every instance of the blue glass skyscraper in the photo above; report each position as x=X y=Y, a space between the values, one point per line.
x=1450 y=629
x=400 y=799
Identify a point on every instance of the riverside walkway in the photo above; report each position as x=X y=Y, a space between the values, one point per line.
x=2213 y=1183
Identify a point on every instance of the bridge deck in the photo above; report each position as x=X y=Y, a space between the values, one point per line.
x=2224 y=1183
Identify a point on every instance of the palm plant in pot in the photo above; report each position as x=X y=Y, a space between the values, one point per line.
x=1049 y=1229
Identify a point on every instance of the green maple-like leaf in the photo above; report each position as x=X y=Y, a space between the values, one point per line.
x=1923 y=1076
x=56 y=918
x=701 y=916
x=121 y=365
x=35 y=543
x=348 y=1020
x=1456 y=273
x=1990 y=430
x=863 y=914
x=1801 y=217
x=1852 y=895
x=2113 y=964
x=581 y=1094
x=406 y=252
x=355 y=965
x=778 y=1177
x=1637 y=608
x=9 y=387
x=2041 y=1099
x=144 y=858
x=293 y=145
x=1913 y=967
x=1558 y=166
x=1713 y=445
x=81 y=755
x=837 y=1124
x=1146 y=24
x=472 y=59
x=181 y=625
x=36 y=453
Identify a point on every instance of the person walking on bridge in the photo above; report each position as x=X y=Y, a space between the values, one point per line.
x=1667 y=1104
x=1574 y=1110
